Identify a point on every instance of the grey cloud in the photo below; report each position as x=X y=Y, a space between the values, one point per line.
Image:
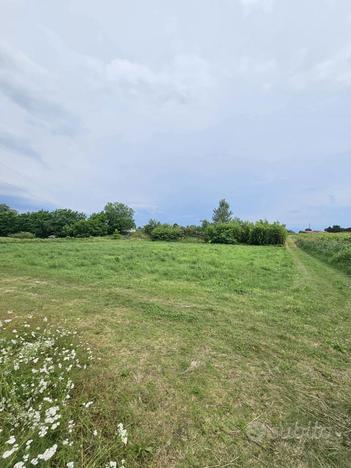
x=48 y=113
x=19 y=145
x=18 y=82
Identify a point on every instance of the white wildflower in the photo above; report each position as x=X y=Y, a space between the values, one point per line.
x=89 y=403
x=8 y=453
x=11 y=440
x=49 y=453
x=122 y=433
x=70 y=465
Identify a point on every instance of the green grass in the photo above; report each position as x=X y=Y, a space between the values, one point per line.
x=334 y=249
x=199 y=344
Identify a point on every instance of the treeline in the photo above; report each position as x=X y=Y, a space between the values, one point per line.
x=117 y=219
x=234 y=231
x=337 y=228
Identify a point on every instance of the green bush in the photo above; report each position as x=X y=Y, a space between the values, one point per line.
x=150 y=226
x=22 y=235
x=237 y=231
x=223 y=233
x=166 y=232
x=265 y=233
x=194 y=231
x=117 y=234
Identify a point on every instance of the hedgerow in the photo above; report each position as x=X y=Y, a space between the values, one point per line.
x=260 y=233
x=166 y=232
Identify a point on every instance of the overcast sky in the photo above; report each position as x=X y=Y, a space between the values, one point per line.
x=169 y=106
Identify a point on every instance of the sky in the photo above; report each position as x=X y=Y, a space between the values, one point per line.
x=169 y=106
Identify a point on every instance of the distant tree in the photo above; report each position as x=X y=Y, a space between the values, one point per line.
x=119 y=216
x=78 y=229
x=98 y=224
x=148 y=228
x=8 y=218
x=222 y=213
x=38 y=223
x=61 y=218
x=6 y=209
x=334 y=228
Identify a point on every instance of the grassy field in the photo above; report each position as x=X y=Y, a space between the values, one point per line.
x=211 y=355
x=334 y=249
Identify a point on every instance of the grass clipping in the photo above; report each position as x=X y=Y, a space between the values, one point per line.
x=42 y=417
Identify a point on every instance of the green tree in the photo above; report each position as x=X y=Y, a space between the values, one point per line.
x=61 y=218
x=119 y=216
x=222 y=213
x=78 y=229
x=8 y=218
x=98 y=224
x=39 y=223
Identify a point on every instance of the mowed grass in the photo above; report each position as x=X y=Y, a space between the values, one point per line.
x=198 y=344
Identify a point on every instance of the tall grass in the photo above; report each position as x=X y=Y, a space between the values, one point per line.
x=334 y=249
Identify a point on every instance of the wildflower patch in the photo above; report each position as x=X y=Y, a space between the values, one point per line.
x=38 y=368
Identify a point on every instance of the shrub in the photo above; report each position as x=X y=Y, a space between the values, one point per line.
x=22 y=235
x=152 y=224
x=166 y=232
x=117 y=234
x=223 y=233
x=194 y=231
x=261 y=233
x=264 y=233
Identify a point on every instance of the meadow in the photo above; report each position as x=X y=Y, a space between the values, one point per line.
x=209 y=355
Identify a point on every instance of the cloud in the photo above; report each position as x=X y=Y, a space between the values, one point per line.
x=18 y=78
x=18 y=145
x=334 y=70
x=182 y=80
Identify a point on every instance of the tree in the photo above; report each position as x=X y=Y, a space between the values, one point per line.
x=119 y=216
x=6 y=209
x=98 y=224
x=61 y=218
x=8 y=218
x=80 y=228
x=39 y=223
x=222 y=214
